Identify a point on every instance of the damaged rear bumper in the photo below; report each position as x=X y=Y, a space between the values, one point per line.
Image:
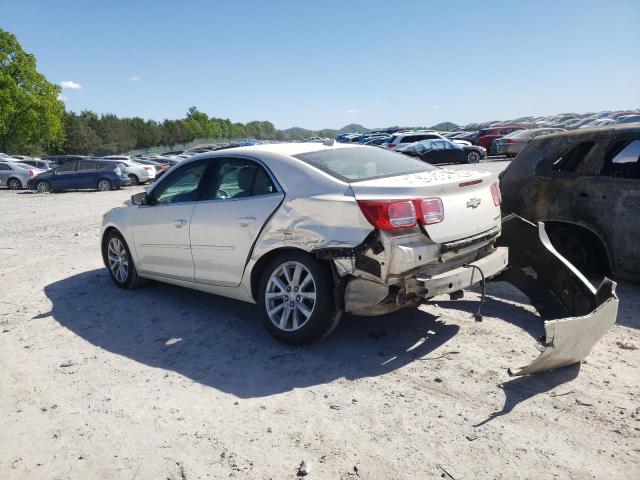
x=575 y=314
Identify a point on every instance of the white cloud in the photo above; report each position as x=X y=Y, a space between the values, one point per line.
x=352 y=112
x=135 y=78
x=62 y=97
x=436 y=107
x=379 y=103
x=70 y=84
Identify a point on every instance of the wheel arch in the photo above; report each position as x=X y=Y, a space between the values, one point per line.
x=596 y=238
x=15 y=178
x=259 y=266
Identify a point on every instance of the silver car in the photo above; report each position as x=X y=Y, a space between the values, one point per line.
x=512 y=144
x=136 y=172
x=15 y=175
x=309 y=231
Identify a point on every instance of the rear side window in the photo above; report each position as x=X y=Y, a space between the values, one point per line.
x=623 y=159
x=363 y=163
x=237 y=178
x=84 y=165
x=571 y=159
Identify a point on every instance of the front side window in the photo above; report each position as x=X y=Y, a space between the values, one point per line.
x=86 y=165
x=4 y=167
x=364 y=163
x=181 y=186
x=237 y=178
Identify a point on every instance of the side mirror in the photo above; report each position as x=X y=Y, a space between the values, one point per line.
x=139 y=198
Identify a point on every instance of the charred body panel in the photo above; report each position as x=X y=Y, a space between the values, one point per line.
x=575 y=314
x=573 y=181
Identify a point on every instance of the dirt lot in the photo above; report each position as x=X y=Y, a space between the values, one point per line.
x=164 y=382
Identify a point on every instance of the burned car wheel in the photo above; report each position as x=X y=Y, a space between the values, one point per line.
x=119 y=262
x=575 y=249
x=296 y=297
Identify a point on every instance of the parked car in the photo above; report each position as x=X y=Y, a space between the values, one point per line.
x=512 y=144
x=159 y=167
x=628 y=119
x=82 y=174
x=234 y=205
x=585 y=186
x=15 y=175
x=486 y=136
x=403 y=139
x=40 y=164
x=444 y=151
x=135 y=171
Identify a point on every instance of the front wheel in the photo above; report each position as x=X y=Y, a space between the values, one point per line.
x=120 y=263
x=473 y=157
x=43 y=187
x=296 y=298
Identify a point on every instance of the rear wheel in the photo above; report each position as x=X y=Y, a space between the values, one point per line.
x=134 y=179
x=120 y=263
x=104 y=185
x=574 y=248
x=473 y=157
x=296 y=298
x=43 y=187
x=14 y=184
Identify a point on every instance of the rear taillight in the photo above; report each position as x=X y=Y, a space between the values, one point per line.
x=400 y=214
x=431 y=211
x=495 y=193
x=391 y=145
x=31 y=174
x=509 y=141
x=148 y=169
x=389 y=214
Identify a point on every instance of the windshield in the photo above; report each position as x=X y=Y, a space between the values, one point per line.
x=363 y=163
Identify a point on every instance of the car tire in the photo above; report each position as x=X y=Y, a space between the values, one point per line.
x=104 y=185
x=14 y=184
x=43 y=187
x=134 y=179
x=473 y=157
x=296 y=298
x=119 y=262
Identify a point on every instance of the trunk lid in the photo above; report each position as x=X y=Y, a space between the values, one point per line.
x=469 y=208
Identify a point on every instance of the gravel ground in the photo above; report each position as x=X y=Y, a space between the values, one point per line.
x=169 y=383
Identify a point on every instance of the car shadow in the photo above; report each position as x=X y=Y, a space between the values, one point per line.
x=520 y=389
x=221 y=343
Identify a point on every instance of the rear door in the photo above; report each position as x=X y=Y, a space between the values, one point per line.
x=5 y=170
x=86 y=174
x=611 y=201
x=239 y=197
x=161 y=227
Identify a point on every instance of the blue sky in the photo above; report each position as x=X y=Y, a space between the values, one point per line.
x=325 y=64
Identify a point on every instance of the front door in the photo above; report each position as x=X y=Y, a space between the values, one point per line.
x=238 y=199
x=161 y=227
x=65 y=176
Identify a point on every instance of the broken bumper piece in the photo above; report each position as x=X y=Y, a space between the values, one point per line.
x=576 y=314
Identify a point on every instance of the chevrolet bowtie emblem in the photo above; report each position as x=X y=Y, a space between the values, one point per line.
x=473 y=202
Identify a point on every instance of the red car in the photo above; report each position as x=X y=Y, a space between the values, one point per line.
x=488 y=135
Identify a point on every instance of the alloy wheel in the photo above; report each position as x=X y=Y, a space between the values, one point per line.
x=15 y=184
x=43 y=187
x=473 y=157
x=118 y=260
x=104 y=185
x=290 y=296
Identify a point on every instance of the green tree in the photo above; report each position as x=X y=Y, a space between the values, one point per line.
x=30 y=112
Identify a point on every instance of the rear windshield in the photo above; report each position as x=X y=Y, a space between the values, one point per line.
x=363 y=163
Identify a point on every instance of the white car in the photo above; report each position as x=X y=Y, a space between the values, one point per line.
x=136 y=172
x=402 y=139
x=308 y=231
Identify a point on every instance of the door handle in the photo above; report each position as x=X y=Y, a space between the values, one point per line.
x=244 y=221
x=180 y=223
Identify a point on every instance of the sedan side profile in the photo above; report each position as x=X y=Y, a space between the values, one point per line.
x=444 y=151
x=15 y=175
x=308 y=231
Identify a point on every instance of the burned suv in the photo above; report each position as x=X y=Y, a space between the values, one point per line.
x=585 y=186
